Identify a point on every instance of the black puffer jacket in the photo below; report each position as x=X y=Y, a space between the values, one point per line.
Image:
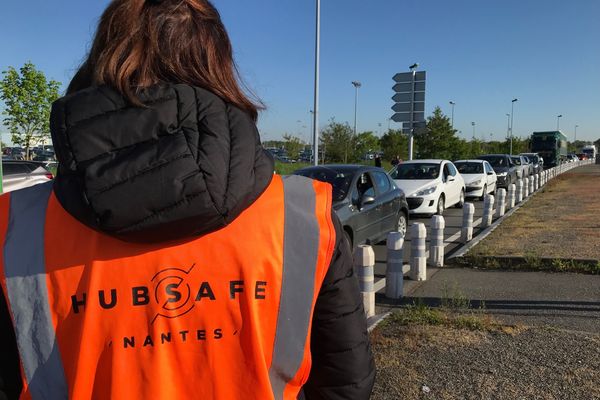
x=186 y=165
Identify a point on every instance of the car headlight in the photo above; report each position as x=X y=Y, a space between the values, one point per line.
x=475 y=183
x=427 y=191
x=502 y=174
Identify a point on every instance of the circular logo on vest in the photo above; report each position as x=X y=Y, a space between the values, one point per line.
x=172 y=293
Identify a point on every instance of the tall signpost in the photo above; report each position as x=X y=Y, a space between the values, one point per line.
x=409 y=99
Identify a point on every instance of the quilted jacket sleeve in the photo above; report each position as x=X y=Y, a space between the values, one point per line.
x=343 y=365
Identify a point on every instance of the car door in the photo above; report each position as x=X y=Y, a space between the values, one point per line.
x=490 y=175
x=453 y=184
x=367 y=216
x=389 y=203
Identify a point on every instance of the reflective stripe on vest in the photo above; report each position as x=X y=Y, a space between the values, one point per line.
x=25 y=271
x=301 y=242
x=27 y=291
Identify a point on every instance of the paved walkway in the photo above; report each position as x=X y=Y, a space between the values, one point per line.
x=568 y=300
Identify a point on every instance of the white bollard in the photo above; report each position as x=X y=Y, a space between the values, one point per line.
x=536 y=182
x=511 y=195
x=436 y=243
x=501 y=207
x=394 y=277
x=525 y=188
x=488 y=211
x=418 y=257
x=531 y=185
x=466 y=233
x=519 y=191
x=364 y=261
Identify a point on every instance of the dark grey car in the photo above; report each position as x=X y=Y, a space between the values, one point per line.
x=365 y=199
x=505 y=169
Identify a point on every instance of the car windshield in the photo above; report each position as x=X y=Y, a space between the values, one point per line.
x=416 y=171
x=533 y=159
x=516 y=160
x=496 y=161
x=469 y=167
x=340 y=181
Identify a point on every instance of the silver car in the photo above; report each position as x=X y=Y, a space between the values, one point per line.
x=21 y=174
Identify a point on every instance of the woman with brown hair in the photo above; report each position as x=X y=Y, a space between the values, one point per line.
x=166 y=259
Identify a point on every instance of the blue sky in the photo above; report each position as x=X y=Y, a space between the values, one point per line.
x=479 y=54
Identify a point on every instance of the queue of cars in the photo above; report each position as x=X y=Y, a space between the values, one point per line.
x=371 y=202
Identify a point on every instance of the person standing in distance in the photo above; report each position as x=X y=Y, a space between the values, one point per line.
x=166 y=260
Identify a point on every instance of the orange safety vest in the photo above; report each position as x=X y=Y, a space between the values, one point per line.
x=227 y=315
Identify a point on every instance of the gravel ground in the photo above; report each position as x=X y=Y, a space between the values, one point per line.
x=440 y=362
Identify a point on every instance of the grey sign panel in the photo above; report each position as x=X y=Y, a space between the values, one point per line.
x=401 y=97
x=419 y=116
x=405 y=117
x=402 y=87
x=405 y=97
x=402 y=107
x=407 y=87
x=401 y=117
x=406 y=107
x=420 y=76
x=403 y=77
x=408 y=76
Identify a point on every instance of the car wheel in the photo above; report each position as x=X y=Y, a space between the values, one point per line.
x=461 y=201
x=483 y=193
x=440 y=205
x=402 y=224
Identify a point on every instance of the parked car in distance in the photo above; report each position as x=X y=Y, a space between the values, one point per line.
x=536 y=162
x=480 y=178
x=430 y=186
x=572 y=157
x=505 y=170
x=22 y=174
x=365 y=199
x=522 y=167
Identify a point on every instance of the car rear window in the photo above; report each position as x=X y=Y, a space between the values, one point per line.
x=340 y=181
x=469 y=167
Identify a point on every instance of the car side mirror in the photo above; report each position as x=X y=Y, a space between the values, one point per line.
x=450 y=179
x=366 y=200
x=490 y=173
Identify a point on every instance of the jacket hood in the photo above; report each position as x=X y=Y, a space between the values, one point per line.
x=185 y=165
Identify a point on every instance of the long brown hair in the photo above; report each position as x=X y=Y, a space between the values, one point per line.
x=140 y=43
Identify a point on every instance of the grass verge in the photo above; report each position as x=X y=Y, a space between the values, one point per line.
x=528 y=263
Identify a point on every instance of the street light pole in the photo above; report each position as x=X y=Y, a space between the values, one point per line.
x=413 y=69
x=558 y=117
x=575 y=133
x=316 y=102
x=356 y=85
x=473 y=125
x=452 y=120
x=507 y=125
x=512 y=109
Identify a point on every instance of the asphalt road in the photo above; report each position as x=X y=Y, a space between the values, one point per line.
x=453 y=219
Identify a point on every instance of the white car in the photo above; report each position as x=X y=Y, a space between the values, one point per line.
x=430 y=186
x=22 y=174
x=480 y=178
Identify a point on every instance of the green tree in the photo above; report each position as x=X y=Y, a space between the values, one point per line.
x=365 y=142
x=292 y=145
x=28 y=97
x=337 y=142
x=439 y=140
x=394 y=143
